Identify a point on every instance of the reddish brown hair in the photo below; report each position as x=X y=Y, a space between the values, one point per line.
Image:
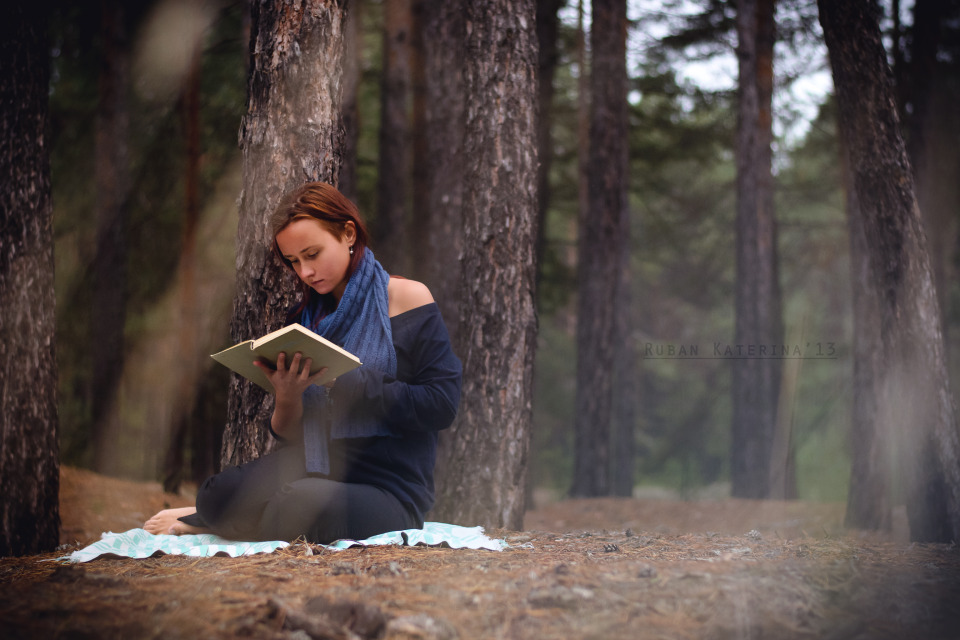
x=324 y=203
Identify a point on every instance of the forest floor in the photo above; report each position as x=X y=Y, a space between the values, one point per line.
x=605 y=568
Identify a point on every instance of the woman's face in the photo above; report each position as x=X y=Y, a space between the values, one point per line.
x=319 y=257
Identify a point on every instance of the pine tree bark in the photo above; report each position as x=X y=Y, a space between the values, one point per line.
x=483 y=457
x=755 y=378
x=915 y=403
x=290 y=134
x=29 y=446
x=394 y=174
x=601 y=243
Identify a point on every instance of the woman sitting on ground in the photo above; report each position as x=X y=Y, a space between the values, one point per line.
x=357 y=454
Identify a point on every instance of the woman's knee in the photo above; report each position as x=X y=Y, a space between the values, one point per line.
x=311 y=507
x=216 y=494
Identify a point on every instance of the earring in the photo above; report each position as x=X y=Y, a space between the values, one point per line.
x=351 y=249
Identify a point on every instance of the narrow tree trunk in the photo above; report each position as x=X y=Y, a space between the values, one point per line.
x=934 y=131
x=583 y=115
x=394 y=175
x=916 y=403
x=419 y=135
x=485 y=453
x=626 y=385
x=755 y=378
x=601 y=243
x=29 y=447
x=548 y=23
x=349 y=109
x=291 y=134
x=439 y=112
x=112 y=176
x=187 y=331
x=868 y=499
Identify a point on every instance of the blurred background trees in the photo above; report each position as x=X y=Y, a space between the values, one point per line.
x=181 y=98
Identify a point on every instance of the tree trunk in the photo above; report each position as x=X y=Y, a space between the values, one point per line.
x=29 y=447
x=485 y=453
x=108 y=299
x=916 y=404
x=626 y=385
x=548 y=23
x=350 y=108
x=755 y=377
x=868 y=500
x=394 y=175
x=439 y=111
x=601 y=243
x=933 y=92
x=187 y=339
x=291 y=134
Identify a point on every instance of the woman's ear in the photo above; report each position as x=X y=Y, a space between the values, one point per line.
x=349 y=232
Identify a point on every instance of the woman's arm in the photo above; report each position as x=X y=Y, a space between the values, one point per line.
x=425 y=396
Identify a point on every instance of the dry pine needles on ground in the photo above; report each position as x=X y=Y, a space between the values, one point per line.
x=645 y=569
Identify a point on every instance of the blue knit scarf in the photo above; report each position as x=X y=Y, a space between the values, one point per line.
x=361 y=325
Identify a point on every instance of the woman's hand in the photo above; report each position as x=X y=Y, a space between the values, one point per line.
x=289 y=383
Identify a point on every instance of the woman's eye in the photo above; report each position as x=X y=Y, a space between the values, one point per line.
x=313 y=255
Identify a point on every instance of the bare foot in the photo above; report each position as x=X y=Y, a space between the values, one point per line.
x=167 y=523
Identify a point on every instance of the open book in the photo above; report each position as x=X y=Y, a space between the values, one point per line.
x=289 y=340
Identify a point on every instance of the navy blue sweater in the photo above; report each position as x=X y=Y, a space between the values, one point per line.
x=420 y=401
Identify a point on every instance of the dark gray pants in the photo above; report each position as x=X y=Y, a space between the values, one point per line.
x=273 y=498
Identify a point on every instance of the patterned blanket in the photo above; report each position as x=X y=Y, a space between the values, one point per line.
x=137 y=543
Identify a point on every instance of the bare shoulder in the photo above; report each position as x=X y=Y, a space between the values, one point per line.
x=406 y=294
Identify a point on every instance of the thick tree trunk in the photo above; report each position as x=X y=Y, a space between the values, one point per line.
x=755 y=378
x=439 y=111
x=291 y=134
x=394 y=175
x=601 y=243
x=29 y=464
x=108 y=300
x=485 y=453
x=916 y=404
